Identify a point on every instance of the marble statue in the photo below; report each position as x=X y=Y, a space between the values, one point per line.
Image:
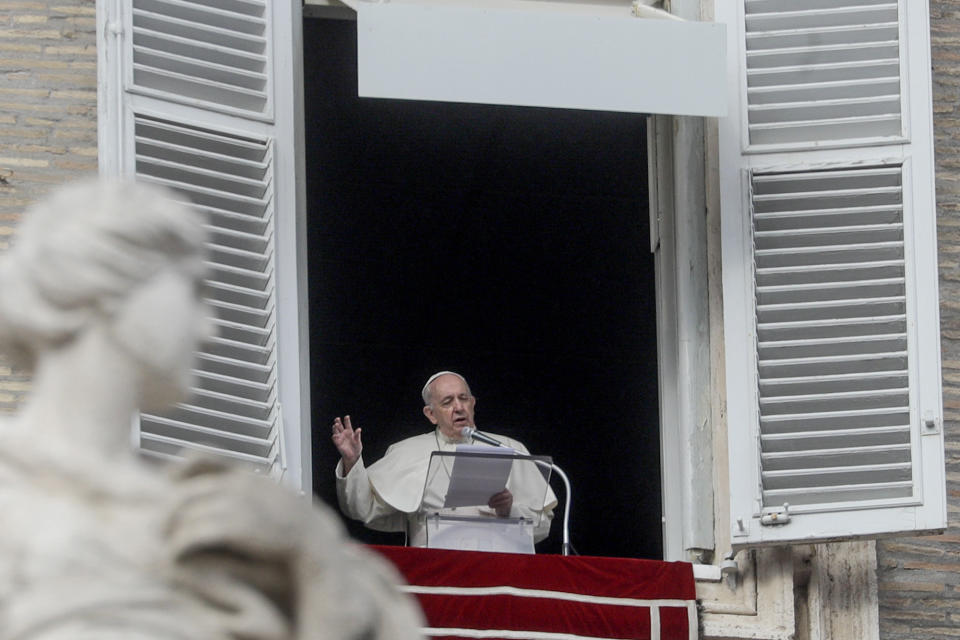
x=99 y=300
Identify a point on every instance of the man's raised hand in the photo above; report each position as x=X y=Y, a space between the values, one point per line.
x=347 y=441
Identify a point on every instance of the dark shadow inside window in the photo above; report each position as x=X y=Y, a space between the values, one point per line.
x=509 y=244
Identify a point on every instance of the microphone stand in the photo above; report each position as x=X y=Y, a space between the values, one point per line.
x=565 y=546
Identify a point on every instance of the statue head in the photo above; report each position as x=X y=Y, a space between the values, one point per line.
x=120 y=254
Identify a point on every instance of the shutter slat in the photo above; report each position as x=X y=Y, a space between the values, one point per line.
x=830 y=328
x=839 y=90
x=832 y=401
x=235 y=368
x=229 y=403
x=802 y=198
x=213 y=72
x=196 y=49
x=210 y=178
x=178 y=29
x=226 y=239
x=263 y=443
x=187 y=156
x=255 y=317
x=838 y=383
x=204 y=196
x=250 y=21
x=790 y=113
x=833 y=365
x=243 y=279
x=801 y=352
x=252 y=337
x=172 y=447
x=823 y=72
x=761 y=6
x=808 y=274
x=807 y=440
x=203 y=141
x=839 y=309
x=824 y=291
x=240 y=296
x=824 y=458
x=839 y=420
x=821 y=217
x=792 y=479
x=223 y=221
x=225 y=422
x=833 y=254
x=248 y=388
x=843 y=495
x=245 y=276
x=863 y=126
x=199 y=88
x=848 y=34
x=240 y=260
x=814 y=54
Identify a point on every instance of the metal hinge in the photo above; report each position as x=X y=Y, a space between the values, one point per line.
x=776 y=516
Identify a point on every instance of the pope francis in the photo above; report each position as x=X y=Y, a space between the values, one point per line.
x=386 y=496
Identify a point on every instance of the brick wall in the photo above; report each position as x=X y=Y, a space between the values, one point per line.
x=48 y=113
x=919 y=578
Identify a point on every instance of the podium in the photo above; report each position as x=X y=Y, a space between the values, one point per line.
x=458 y=487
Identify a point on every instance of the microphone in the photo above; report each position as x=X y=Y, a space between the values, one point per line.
x=471 y=432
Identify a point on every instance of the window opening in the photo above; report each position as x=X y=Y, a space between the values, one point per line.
x=510 y=244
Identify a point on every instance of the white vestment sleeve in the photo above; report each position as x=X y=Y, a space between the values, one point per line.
x=359 y=502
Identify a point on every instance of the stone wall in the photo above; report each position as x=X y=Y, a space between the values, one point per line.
x=919 y=578
x=48 y=113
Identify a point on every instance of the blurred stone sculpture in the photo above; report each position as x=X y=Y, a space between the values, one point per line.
x=99 y=298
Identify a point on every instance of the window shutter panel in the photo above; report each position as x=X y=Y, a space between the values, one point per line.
x=825 y=71
x=829 y=272
x=198 y=109
x=214 y=53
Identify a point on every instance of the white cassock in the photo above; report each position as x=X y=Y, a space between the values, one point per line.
x=387 y=495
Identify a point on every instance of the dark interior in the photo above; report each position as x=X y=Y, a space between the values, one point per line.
x=509 y=244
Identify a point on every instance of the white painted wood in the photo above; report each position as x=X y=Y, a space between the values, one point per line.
x=216 y=55
x=240 y=164
x=693 y=337
x=821 y=73
x=293 y=345
x=660 y=162
x=829 y=261
x=524 y=53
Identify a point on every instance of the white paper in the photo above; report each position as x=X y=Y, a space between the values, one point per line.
x=475 y=479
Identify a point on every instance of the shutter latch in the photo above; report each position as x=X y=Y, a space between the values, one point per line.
x=776 y=516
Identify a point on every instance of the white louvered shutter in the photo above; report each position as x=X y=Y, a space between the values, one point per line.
x=194 y=103
x=829 y=272
x=822 y=71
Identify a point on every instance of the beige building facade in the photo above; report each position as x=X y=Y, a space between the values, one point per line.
x=895 y=589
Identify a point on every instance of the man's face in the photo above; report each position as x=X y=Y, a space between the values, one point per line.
x=451 y=405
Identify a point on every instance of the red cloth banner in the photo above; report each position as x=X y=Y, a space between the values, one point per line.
x=469 y=594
